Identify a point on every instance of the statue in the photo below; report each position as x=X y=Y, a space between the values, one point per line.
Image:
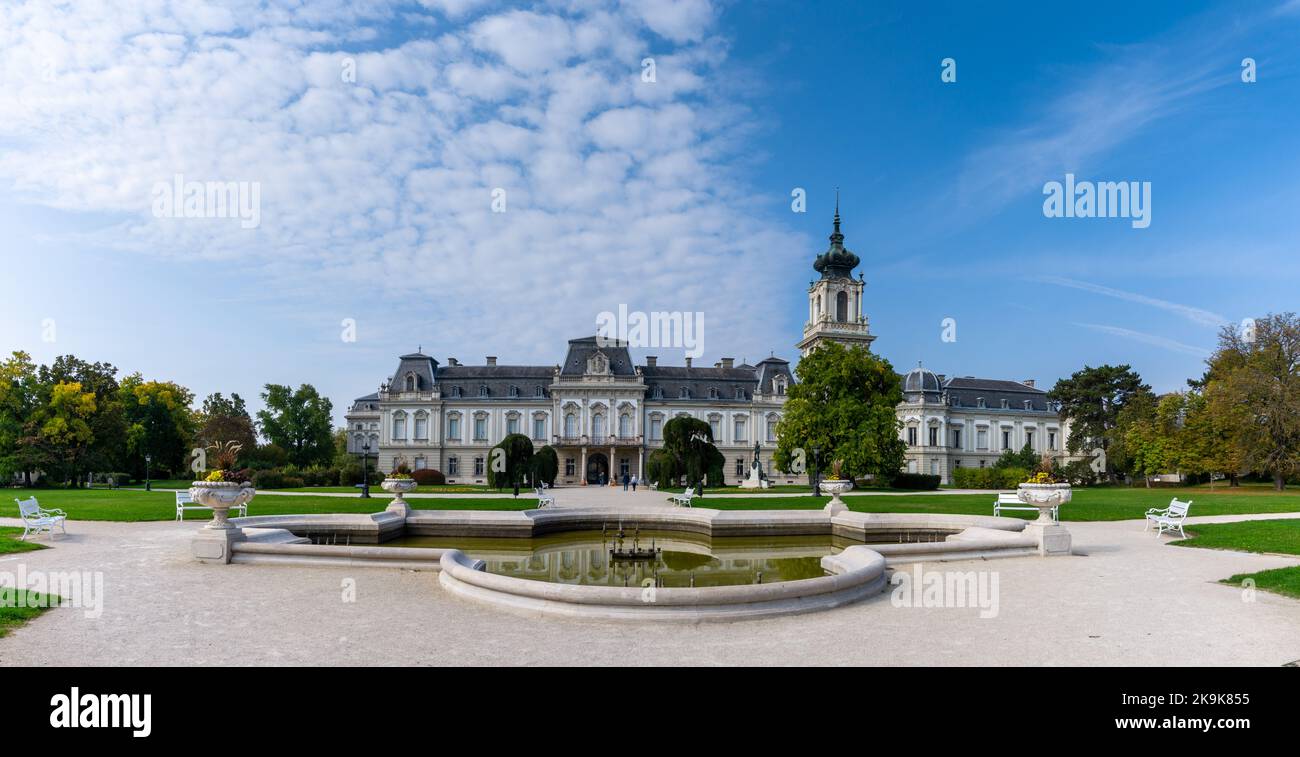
x=757 y=478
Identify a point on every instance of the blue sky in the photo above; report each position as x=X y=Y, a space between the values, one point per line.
x=673 y=195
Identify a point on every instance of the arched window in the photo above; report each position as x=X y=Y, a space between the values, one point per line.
x=842 y=307
x=410 y=382
x=399 y=427
x=625 y=426
x=570 y=425
x=421 y=426
x=597 y=427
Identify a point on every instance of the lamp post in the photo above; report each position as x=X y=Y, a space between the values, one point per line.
x=365 y=470
x=816 y=475
x=148 y=484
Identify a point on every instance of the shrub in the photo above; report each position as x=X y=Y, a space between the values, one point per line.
x=974 y=478
x=428 y=477
x=274 y=479
x=1011 y=477
x=920 y=481
x=545 y=465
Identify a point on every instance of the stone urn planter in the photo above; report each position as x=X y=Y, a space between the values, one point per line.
x=397 y=487
x=836 y=487
x=221 y=496
x=1044 y=497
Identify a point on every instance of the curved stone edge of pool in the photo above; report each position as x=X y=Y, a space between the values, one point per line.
x=856 y=573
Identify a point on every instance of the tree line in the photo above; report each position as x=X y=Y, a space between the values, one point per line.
x=71 y=418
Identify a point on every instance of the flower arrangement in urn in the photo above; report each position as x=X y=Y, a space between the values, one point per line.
x=835 y=485
x=223 y=489
x=397 y=483
x=1044 y=491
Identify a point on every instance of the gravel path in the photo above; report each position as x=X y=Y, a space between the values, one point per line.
x=1125 y=599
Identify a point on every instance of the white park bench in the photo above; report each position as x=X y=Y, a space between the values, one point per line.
x=185 y=502
x=544 y=499
x=683 y=499
x=1169 y=518
x=36 y=519
x=1012 y=502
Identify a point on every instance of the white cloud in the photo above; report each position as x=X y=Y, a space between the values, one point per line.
x=382 y=187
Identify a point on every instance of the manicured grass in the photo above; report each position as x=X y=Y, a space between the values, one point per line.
x=1284 y=581
x=424 y=489
x=1276 y=536
x=12 y=616
x=126 y=505
x=9 y=543
x=1103 y=503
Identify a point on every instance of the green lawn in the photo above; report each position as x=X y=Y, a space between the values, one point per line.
x=12 y=616
x=9 y=543
x=1284 y=581
x=127 y=505
x=1276 y=536
x=1114 y=503
x=1102 y=503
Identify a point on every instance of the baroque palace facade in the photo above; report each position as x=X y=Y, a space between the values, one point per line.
x=604 y=415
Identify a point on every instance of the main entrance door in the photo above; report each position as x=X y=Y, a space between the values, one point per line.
x=597 y=468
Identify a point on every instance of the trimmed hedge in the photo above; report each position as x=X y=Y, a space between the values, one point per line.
x=988 y=478
x=919 y=481
x=428 y=477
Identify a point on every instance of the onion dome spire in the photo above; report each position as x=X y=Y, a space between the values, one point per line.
x=838 y=261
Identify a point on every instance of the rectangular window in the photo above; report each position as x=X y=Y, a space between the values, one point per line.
x=399 y=429
x=512 y=425
x=934 y=436
x=982 y=438
x=1051 y=440
x=539 y=428
x=421 y=428
x=656 y=429
x=740 y=431
x=956 y=438
x=934 y=467
x=911 y=436
x=1029 y=437
x=1006 y=439
x=569 y=466
x=771 y=429
x=453 y=428
x=480 y=429
x=715 y=428
x=478 y=466
x=740 y=467
x=453 y=466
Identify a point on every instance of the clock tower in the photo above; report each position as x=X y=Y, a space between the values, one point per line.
x=835 y=300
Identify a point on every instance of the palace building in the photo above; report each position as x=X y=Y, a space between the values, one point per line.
x=603 y=414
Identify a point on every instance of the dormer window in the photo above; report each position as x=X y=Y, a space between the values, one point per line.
x=411 y=382
x=740 y=393
x=658 y=393
x=979 y=402
x=538 y=391
x=1005 y=404
x=482 y=390
x=713 y=392
x=514 y=391
x=1029 y=404
x=778 y=385
x=685 y=393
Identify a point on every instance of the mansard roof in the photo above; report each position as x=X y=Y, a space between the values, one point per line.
x=966 y=391
x=422 y=366
x=582 y=348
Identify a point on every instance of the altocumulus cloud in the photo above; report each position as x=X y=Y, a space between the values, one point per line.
x=617 y=190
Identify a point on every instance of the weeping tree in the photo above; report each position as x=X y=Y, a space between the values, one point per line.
x=509 y=461
x=545 y=466
x=689 y=442
x=661 y=469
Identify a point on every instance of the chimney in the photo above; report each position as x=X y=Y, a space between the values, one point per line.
x=651 y=361
x=453 y=361
x=728 y=362
x=492 y=360
x=688 y=362
x=1029 y=383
